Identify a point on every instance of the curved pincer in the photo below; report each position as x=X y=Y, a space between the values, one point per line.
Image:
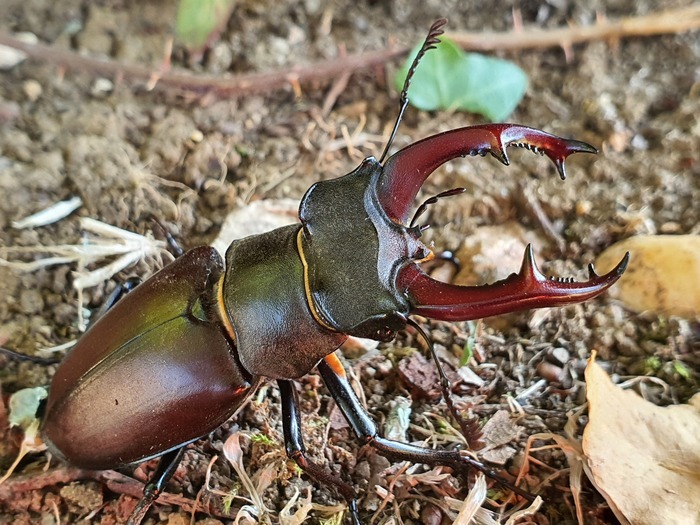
x=405 y=172
x=527 y=289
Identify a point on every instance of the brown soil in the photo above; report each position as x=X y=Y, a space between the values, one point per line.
x=128 y=152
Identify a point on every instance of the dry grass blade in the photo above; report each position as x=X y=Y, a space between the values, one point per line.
x=574 y=456
x=53 y=213
x=107 y=242
x=476 y=498
x=234 y=454
x=524 y=513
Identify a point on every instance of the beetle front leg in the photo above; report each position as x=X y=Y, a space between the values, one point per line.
x=333 y=375
x=119 y=291
x=167 y=465
x=294 y=444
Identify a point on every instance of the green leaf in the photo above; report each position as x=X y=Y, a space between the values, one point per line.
x=261 y=439
x=467 y=351
x=682 y=369
x=450 y=79
x=199 y=20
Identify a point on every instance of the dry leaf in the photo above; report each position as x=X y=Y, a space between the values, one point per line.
x=492 y=253
x=255 y=218
x=644 y=459
x=420 y=376
x=663 y=274
x=474 y=501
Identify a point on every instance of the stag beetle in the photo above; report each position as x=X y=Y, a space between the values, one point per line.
x=173 y=359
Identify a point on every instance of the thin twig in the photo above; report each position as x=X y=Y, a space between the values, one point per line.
x=670 y=21
x=532 y=207
x=231 y=86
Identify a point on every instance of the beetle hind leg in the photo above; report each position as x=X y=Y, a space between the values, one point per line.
x=167 y=466
x=296 y=450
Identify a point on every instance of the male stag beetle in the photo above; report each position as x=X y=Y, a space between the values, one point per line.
x=173 y=359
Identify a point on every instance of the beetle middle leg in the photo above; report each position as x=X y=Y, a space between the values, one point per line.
x=294 y=444
x=167 y=465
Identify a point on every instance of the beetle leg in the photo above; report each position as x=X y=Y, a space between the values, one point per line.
x=294 y=444
x=529 y=288
x=119 y=291
x=167 y=465
x=405 y=172
x=172 y=243
x=333 y=375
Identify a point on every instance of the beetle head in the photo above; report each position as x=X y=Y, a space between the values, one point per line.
x=361 y=258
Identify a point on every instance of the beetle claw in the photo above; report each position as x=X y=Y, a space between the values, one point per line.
x=405 y=172
x=529 y=288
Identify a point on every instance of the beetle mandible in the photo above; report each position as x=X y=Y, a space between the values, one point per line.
x=173 y=359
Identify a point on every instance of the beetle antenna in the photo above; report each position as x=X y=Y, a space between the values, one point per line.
x=432 y=200
x=470 y=427
x=429 y=43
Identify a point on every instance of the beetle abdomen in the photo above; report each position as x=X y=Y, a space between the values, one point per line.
x=148 y=397
x=149 y=376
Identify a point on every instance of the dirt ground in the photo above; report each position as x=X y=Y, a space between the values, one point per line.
x=191 y=159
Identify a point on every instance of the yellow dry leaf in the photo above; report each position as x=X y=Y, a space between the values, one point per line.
x=663 y=274
x=644 y=459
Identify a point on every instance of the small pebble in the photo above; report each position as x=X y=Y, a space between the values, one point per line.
x=559 y=355
x=31 y=301
x=583 y=208
x=178 y=519
x=10 y=57
x=197 y=136
x=550 y=372
x=32 y=89
x=101 y=87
